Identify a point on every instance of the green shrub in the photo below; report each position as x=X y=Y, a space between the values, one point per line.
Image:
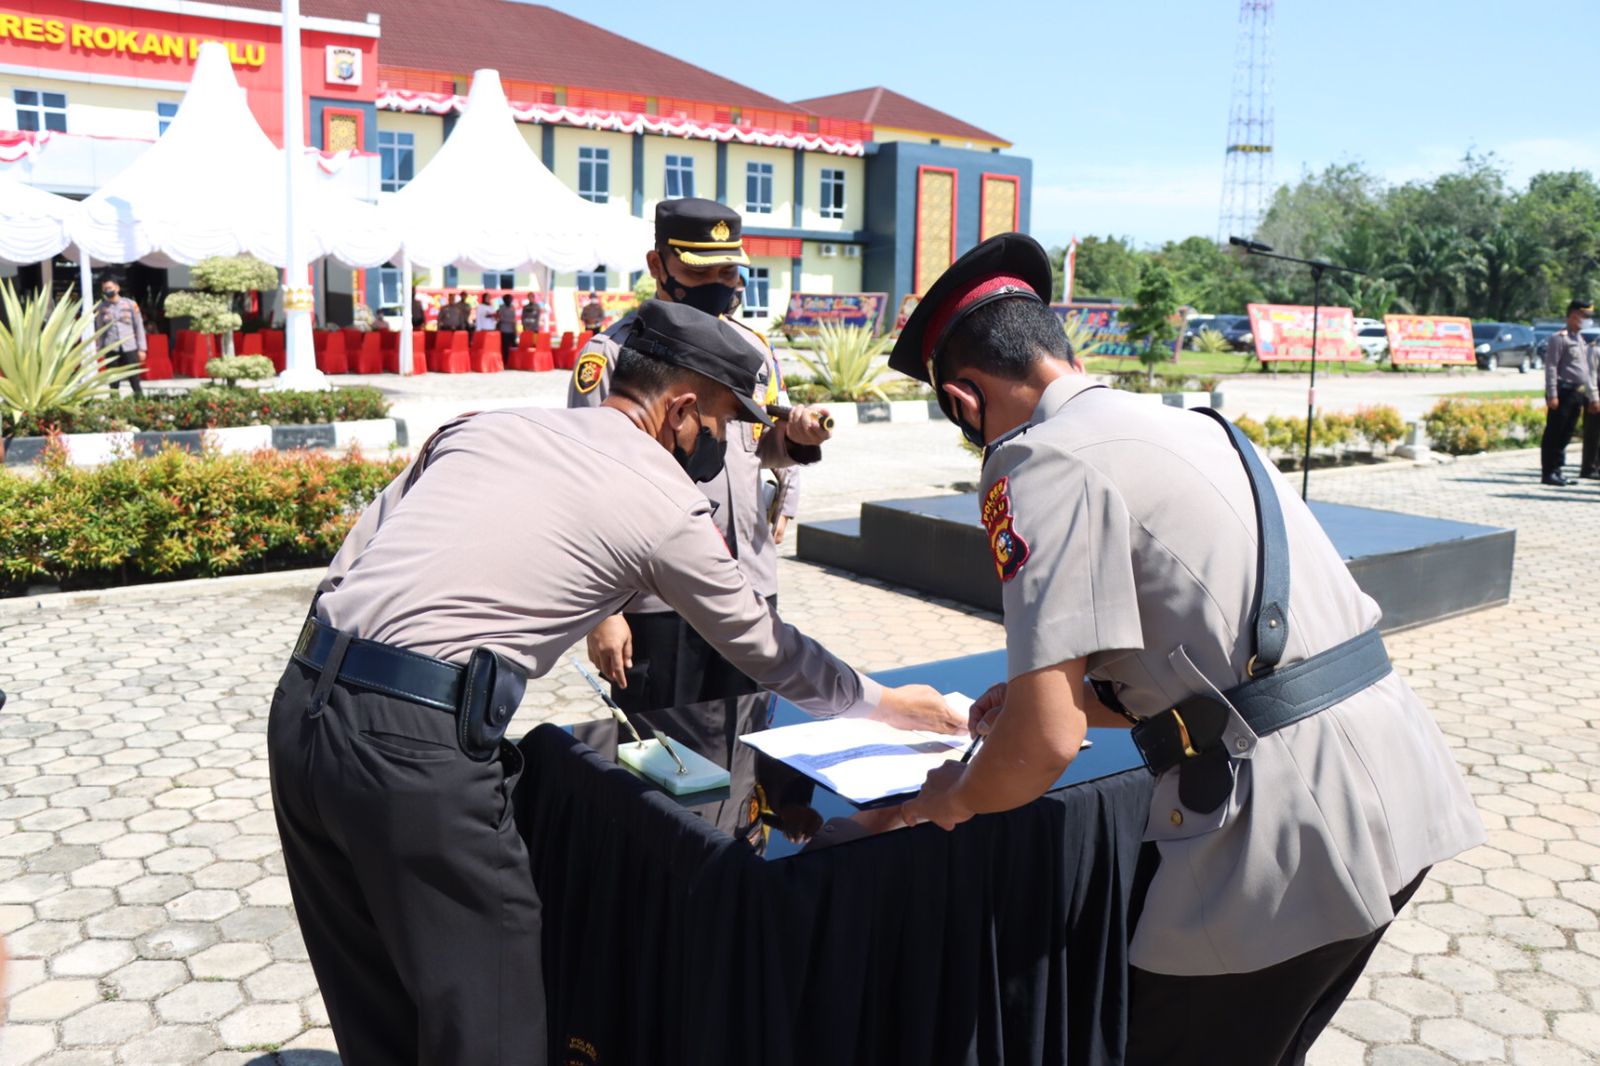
x=1462 y=426
x=846 y=363
x=179 y=515
x=1211 y=342
x=1382 y=426
x=46 y=362
x=209 y=408
x=231 y=368
x=1252 y=429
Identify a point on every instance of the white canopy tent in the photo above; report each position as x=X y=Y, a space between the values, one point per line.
x=213 y=184
x=33 y=223
x=523 y=217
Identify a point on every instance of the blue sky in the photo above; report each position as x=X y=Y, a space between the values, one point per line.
x=1123 y=104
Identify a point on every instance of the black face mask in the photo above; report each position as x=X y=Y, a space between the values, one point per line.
x=713 y=298
x=705 y=462
x=974 y=434
x=110 y=294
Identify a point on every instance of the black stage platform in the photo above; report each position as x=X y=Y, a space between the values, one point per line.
x=1418 y=569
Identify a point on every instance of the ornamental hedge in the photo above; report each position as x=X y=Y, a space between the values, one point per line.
x=1461 y=426
x=1376 y=428
x=178 y=515
x=210 y=407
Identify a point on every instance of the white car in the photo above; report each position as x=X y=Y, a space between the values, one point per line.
x=1373 y=340
x=1367 y=323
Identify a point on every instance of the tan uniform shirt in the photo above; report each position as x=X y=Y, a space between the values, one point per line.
x=528 y=527
x=741 y=504
x=1567 y=365
x=1128 y=532
x=127 y=326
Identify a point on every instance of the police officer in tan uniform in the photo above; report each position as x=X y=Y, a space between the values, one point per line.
x=506 y=540
x=1301 y=788
x=651 y=655
x=1569 y=389
x=123 y=342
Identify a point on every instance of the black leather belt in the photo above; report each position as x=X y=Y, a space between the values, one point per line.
x=383 y=668
x=1267 y=704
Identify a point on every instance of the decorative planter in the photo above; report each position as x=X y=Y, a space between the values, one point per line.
x=92 y=449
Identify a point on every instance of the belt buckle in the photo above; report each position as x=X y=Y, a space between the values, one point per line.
x=1161 y=746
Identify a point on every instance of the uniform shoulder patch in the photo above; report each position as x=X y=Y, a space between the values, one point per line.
x=1006 y=543
x=588 y=373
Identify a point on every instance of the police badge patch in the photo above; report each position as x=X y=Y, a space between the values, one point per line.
x=587 y=374
x=1005 y=540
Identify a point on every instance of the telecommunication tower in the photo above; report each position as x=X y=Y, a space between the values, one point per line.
x=1247 y=165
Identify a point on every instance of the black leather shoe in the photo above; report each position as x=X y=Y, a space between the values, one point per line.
x=1555 y=479
x=1592 y=475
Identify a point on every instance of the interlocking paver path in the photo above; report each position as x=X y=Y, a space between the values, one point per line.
x=142 y=891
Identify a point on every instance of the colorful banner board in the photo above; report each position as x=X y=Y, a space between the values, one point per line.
x=810 y=310
x=1110 y=335
x=1283 y=333
x=908 y=304
x=1430 y=340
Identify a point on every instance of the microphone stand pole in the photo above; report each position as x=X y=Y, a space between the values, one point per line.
x=1318 y=267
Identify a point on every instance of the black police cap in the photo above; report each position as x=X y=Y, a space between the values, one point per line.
x=701 y=232
x=684 y=337
x=1586 y=306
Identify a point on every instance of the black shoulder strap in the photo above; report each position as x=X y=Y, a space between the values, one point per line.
x=1272 y=555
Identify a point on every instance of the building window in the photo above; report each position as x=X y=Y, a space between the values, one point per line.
x=388 y=287
x=592 y=280
x=452 y=278
x=397 y=154
x=758 y=188
x=832 y=193
x=594 y=174
x=756 y=289
x=165 y=113
x=40 y=110
x=680 y=175
x=499 y=279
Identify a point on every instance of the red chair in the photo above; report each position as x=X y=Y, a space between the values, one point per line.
x=252 y=344
x=332 y=358
x=391 y=353
x=272 y=346
x=157 y=358
x=352 y=340
x=194 y=350
x=486 y=352
x=238 y=342
x=583 y=338
x=367 y=356
x=449 y=355
x=521 y=357
x=566 y=352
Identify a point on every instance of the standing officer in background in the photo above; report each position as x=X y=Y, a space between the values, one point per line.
x=123 y=343
x=1302 y=791
x=1569 y=389
x=652 y=657
x=509 y=537
x=1589 y=465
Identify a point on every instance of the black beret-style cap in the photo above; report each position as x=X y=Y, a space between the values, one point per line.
x=684 y=337
x=1009 y=265
x=701 y=232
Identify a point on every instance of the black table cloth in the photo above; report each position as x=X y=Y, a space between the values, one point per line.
x=669 y=938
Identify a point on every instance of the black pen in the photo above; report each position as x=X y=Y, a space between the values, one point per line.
x=976 y=740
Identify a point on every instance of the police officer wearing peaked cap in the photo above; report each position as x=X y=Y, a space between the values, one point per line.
x=1301 y=790
x=652 y=655
x=511 y=534
x=1569 y=390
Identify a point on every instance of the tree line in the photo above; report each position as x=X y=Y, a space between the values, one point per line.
x=1465 y=243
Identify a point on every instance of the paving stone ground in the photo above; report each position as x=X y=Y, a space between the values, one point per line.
x=142 y=891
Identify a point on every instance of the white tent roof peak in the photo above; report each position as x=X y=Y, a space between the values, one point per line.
x=522 y=215
x=213 y=184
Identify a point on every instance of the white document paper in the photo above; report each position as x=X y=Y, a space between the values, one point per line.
x=861 y=759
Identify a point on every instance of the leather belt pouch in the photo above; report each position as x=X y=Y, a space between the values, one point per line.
x=490 y=693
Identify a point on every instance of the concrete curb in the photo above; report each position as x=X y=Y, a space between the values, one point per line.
x=199 y=586
x=867 y=413
x=93 y=449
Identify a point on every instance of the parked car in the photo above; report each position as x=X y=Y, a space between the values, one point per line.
x=1235 y=329
x=1193 y=326
x=1503 y=344
x=1367 y=323
x=1373 y=341
x=1542 y=332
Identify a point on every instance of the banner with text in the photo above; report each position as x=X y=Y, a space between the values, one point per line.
x=1108 y=334
x=1283 y=333
x=808 y=311
x=1429 y=340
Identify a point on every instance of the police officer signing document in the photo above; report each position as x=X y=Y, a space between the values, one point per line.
x=1302 y=790
x=508 y=538
x=653 y=657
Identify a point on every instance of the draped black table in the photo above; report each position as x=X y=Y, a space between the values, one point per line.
x=699 y=931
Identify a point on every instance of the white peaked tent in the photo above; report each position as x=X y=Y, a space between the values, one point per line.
x=518 y=215
x=213 y=184
x=33 y=223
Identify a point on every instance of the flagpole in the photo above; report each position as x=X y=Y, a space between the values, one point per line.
x=300 y=370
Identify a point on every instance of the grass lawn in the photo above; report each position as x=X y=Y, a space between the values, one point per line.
x=1214 y=364
x=1498 y=394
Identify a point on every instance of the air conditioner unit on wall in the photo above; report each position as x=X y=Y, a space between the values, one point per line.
x=828 y=251
x=852 y=251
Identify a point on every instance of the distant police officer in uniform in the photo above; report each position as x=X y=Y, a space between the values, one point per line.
x=1301 y=791
x=123 y=341
x=652 y=656
x=507 y=539
x=1589 y=467
x=1569 y=390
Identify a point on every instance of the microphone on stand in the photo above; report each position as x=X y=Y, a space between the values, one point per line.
x=1248 y=245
